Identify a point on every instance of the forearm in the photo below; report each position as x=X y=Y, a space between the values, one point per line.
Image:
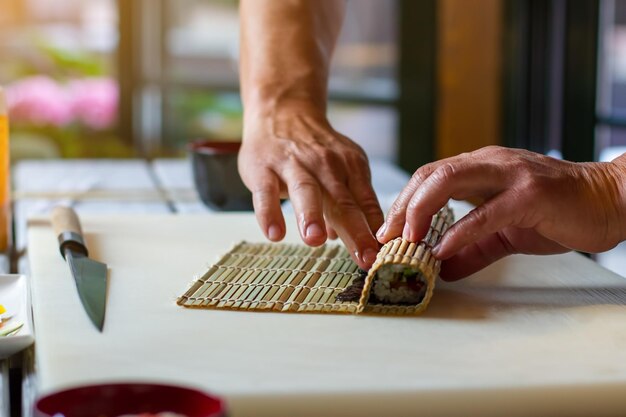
x=286 y=47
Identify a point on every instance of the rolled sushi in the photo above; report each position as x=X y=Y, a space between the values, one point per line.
x=398 y=284
x=402 y=279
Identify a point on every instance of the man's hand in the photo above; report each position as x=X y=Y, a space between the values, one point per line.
x=296 y=153
x=289 y=149
x=532 y=204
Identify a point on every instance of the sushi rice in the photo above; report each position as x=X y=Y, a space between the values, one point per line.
x=399 y=284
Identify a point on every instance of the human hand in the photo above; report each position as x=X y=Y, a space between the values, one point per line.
x=296 y=153
x=532 y=204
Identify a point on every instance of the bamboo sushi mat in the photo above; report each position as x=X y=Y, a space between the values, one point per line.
x=276 y=277
x=298 y=278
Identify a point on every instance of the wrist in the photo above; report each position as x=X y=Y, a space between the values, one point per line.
x=299 y=91
x=275 y=106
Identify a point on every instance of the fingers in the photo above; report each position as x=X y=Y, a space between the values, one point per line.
x=266 y=200
x=458 y=181
x=327 y=179
x=475 y=257
x=306 y=198
x=394 y=224
x=350 y=215
x=486 y=219
x=360 y=186
x=351 y=226
x=346 y=177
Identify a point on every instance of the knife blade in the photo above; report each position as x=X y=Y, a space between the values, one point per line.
x=89 y=275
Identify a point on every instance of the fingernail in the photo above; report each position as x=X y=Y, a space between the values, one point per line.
x=436 y=250
x=381 y=232
x=406 y=232
x=369 y=256
x=314 y=230
x=273 y=232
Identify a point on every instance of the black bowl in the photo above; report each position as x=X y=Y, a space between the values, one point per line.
x=216 y=177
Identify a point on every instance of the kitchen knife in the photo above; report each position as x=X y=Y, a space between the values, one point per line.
x=90 y=276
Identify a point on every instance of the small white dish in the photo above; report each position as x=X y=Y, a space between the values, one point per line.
x=15 y=297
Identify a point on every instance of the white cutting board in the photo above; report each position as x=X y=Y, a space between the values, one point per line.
x=527 y=336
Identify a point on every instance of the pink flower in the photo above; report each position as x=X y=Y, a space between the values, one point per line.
x=94 y=101
x=39 y=101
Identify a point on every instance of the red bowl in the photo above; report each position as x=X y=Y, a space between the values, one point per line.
x=112 y=400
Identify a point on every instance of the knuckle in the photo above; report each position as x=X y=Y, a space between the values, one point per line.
x=421 y=174
x=480 y=217
x=356 y=157
x=370 y=201
x=399 y=206
x=445 y=173
x=488 y=152
x=495 y=149
x=418 y=177
x=330 y=171
x=343 y=206
x=264 y=189
x=326 y=156
x=395 y=217
x=413 y=210
x=300 y=185
x=372 y=208
x=526 y=180
x=396 y=212
x=336 y=189
x=411 y=207
x=518 y=165
x=345 y=203
x=463 y=156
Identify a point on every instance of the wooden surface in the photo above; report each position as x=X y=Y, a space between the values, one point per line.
x=529 y=335
x=469 y=75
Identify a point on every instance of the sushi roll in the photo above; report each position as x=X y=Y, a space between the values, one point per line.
x=402 y=279
x=398 y=284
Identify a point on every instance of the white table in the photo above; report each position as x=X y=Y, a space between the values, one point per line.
x=527 y=336
x=120 y=186
x=122 y=179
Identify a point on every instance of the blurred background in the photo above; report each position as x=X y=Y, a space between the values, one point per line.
x=110 y=78
x=411 y=81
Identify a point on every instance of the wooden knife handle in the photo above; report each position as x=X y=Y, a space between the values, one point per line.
x=64 y=219
x=67 y=228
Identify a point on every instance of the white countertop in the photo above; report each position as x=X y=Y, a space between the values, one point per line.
x=537 y=335
x=570 y=362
